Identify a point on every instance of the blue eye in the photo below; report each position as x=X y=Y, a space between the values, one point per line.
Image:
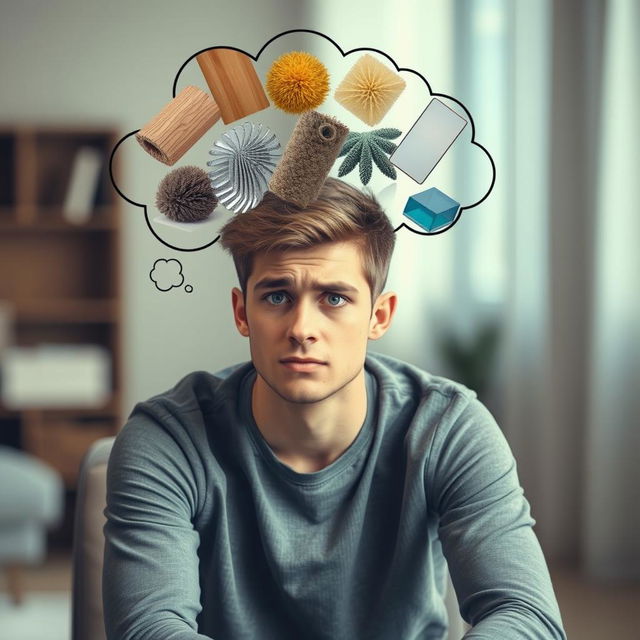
x=276 y=298
x=336 y=297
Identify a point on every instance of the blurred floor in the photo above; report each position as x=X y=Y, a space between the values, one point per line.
x=593 y=611
x=590 y=611
x=53 y=575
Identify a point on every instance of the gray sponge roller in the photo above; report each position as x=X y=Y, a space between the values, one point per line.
x=312 y=149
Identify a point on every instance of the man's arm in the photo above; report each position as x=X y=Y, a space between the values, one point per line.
x=495 y=560
x=150 y=579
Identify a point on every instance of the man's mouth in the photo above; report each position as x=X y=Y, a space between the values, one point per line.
x=302 y=365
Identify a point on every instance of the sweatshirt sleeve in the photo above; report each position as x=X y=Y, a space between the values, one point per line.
x=495 y=560
x=150 y=580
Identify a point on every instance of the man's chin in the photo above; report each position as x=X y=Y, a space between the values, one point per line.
x=304 y=389
x=300 y=396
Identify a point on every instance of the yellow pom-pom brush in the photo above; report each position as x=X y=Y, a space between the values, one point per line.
x=297 y=82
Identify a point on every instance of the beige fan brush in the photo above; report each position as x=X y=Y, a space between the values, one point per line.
x=369 y=89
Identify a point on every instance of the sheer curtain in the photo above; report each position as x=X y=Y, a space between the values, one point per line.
x=564 y=223
x=550 y=255
x=611 y=534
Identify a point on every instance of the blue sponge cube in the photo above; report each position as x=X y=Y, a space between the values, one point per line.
x=431 y=209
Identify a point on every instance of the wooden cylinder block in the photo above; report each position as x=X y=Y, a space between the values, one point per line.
x=233 y=82
x=180 y=124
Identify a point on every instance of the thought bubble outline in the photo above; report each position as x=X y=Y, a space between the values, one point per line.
x=344 y=55
x=180 y=273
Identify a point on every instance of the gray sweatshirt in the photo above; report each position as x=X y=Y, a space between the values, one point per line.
x=210 y=535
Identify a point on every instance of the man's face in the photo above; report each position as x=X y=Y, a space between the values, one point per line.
x=310 y=304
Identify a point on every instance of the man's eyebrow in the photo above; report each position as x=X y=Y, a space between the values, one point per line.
x=287 y=283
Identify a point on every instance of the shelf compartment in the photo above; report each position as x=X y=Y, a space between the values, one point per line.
x=53 y=218
x=34 y=334
x=10 y=429
x=66 y=311
x=41 y=220
x=105 y=334
x=109 y=410
x=7 y=173
x=46 y=266
x=55 y=154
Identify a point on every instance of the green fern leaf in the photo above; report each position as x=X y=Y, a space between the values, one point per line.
x=386 y=145
x=382 y=162
x=387 y=132
x=349 y=163
x=351 y=140
x=365 y=163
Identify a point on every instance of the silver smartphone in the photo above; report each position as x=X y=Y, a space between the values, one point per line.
x=428 y=140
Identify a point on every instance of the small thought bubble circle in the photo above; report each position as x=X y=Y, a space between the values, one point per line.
x=188 y=288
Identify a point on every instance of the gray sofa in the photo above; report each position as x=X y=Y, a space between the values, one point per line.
x=31 y=502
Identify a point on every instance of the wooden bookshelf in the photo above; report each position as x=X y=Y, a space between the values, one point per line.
x=60 y=279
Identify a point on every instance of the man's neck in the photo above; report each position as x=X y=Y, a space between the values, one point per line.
x=309 y=437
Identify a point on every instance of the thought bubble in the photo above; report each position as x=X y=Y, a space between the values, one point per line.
x=463 y=169
x=166 y=274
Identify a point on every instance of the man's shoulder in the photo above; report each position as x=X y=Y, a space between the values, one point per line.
x=428 y=410
x=173 y=431
x=396 y=375
x=197 y=393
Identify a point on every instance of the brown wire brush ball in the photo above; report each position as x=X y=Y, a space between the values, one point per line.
x=297 y=82
x=186 y=195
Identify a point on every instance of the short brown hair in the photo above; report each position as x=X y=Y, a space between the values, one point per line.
x=340 y=213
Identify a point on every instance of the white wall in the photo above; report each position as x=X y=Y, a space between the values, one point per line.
x=115 y=62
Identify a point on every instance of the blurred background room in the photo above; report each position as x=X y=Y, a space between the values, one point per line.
x=531 y=299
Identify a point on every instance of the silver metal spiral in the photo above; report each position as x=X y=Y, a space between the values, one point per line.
x=243 y=160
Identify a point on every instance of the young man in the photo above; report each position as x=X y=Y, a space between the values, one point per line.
x=315 y=491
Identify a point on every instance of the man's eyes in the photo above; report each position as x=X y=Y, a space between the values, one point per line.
x=277 y=298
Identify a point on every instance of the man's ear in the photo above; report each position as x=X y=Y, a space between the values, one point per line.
x=239 y=311
x=383 y=310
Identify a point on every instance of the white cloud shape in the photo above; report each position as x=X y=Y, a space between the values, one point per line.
x=167 y=274
x=466 y=172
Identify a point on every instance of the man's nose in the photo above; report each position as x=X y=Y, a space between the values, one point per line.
x=302 y=326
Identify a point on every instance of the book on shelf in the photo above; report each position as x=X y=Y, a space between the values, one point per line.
x=7 y=320
x=83 y=184
x=54 y=375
